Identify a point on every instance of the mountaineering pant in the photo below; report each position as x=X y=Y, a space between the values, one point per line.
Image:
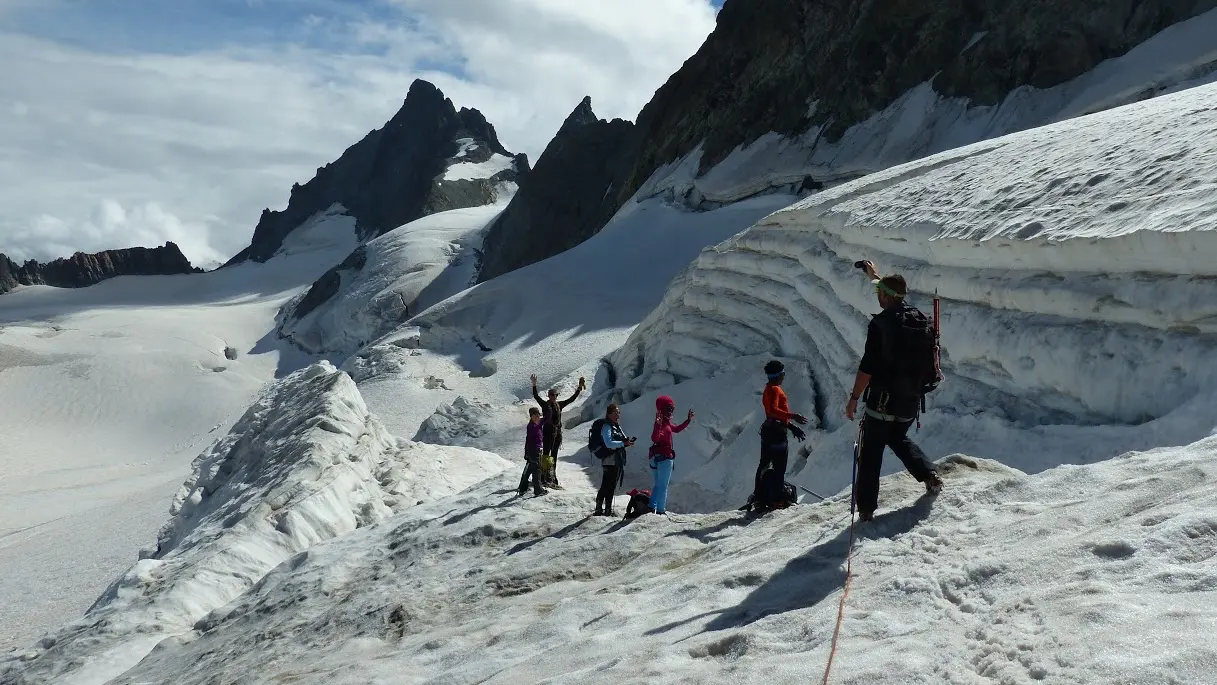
x=532 y=470
x=552 y=439
x=608 y=488
x=774 y=452
x=659 y=492
x=874 y=435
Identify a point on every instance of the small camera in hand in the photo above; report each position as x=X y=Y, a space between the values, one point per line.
x=860 y=264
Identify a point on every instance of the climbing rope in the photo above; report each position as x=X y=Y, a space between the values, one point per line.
x=849 y=557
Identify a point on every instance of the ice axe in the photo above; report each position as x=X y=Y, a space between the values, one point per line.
x=809 y=492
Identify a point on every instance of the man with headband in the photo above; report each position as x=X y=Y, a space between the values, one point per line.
x=889 y=374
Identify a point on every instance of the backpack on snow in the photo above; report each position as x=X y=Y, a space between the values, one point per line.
x=774 y=493
x=640 y=503
x=595 y=441
x=914 y=354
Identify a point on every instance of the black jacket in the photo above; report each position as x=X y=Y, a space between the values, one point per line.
x=551 y=412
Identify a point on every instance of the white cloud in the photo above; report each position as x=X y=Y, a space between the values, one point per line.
x=104 y=150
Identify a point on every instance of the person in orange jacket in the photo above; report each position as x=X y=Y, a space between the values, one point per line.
x=778 y=417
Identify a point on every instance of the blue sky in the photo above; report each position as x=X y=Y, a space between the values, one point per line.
x=126 y=122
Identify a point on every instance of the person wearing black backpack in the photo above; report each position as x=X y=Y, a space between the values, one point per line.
x=608 y=442
x=897 y=368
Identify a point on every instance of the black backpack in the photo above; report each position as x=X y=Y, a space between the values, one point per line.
x=774 y=493
x=913 y=351
x=595 y=441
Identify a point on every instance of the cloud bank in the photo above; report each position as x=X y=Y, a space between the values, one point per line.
x=186 y=126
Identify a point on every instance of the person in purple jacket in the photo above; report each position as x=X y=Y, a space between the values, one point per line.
x=533 y=437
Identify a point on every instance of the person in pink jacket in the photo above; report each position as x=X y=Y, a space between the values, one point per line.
x=661 y=453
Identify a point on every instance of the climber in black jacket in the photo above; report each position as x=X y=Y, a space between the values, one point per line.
x=551 y=422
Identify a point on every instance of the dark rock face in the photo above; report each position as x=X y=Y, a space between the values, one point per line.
x=327 y=286
x=767 y=61
x=81 y=270
x=566 y=198
x=394 y=174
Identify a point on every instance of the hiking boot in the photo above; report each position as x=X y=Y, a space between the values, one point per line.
x=610 y=512
x=933 y=484
x=540 y=492
x=864 y=516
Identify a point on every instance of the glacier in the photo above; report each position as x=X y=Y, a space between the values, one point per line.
x=304 y=464
x=1075 y=541
x=1073 y=262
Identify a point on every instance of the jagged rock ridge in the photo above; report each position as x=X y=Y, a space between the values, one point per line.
x=81 y=269
x=788 y=66
x=566 y=198
x=396 y=173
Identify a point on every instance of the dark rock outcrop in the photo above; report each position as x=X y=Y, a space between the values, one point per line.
x=327 y=286
x=81 y=270
x=768 y=61
x=394 y=175
x=566 y=198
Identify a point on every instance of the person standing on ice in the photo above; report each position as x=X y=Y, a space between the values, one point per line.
x=615 y=444
x=892 y=400
x=775 y=448
x=661 y=454
x=533 y=439
x=551 y=409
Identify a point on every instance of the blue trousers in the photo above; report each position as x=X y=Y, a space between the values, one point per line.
x=659 y=493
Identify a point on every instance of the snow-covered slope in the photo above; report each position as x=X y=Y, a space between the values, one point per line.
x=1075 y=265
x=395 y=276
x=107 y=393
x=555 y=318
x=464 y=170
x=304 y=464
x=1096 y=574
x=922 y=122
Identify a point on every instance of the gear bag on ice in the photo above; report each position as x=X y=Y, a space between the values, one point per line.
x=774 y=493
x=640 y=503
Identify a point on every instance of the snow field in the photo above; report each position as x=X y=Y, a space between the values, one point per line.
x=311 y=545
x=487 y=587
x=306 y=463
x=468 y=171
x=556 y=319
x=106 y=394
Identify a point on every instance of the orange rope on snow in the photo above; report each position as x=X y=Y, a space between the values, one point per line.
x=841 y=607
x=849 y=557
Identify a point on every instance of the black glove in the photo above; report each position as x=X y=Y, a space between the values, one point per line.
x=797 y=433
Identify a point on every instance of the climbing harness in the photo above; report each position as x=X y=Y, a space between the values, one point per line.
x=853 y=485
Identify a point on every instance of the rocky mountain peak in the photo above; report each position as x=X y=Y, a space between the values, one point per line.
x=564 y=200
x=397 y=173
